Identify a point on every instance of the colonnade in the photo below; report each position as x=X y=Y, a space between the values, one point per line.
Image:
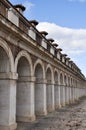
x=29 y=89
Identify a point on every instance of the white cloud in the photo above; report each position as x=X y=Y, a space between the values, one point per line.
x=73 y=40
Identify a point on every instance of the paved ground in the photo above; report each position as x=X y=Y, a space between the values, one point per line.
x=72 y=117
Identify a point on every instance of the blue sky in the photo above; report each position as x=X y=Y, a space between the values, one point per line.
x=65 y=21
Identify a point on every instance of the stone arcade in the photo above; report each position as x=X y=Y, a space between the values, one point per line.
x=35 y=77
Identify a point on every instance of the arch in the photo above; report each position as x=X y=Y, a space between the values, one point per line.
x=69 y=88
x=39 y=88
x=71 y=84
x=56 y=89
x=71 y=81
x=49 y=88
x=65 y=79
x=49 y=74
x=66 y=89
x=40 y=63
x=61 y=78
x=7 y=86
x=27 y=56
x=24 y=90
x=62 y=93
x=68 y=80
x=56 y=76
x=8 y=52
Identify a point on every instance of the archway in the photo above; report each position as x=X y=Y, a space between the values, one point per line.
x=61 y=90
x=40 y=90
x=7 y=87
x=4 y=62
x=49 y=92
x=69 y=90
x=25 y=88
x=56 y=91
x=66 y=89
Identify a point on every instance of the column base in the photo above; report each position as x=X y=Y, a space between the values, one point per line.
x=63 y=104
x=25 y=119
x=66 y=103
x=11 y=127
x=56 y=107
x=50 y=109
x=71 y=101
x=41 y=113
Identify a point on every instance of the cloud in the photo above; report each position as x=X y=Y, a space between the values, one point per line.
x=73 y=40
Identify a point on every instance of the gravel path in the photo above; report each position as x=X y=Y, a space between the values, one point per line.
x=72 y=117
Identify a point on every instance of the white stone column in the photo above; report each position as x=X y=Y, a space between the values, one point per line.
x=59 y=92
x=76 y=93
x=40 y=97
x=72 y=100
x=56 y=93
x=66 y=94
x=73 y=93
x=8 y=101
x=62 y=95
x=70 y=94
x=53 y=97
x=50 y=97
x=25 y=99
x=59 y=98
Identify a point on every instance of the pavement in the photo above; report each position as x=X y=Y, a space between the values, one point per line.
x=70 y=117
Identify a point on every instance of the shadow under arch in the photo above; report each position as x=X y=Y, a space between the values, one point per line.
x=25 y=87
x=5 y=50
x=61 y=89
x=40 y=88
x=7 y=86
x=49 y=88
x=56 y=89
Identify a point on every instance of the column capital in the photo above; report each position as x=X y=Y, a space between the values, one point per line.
x=27 y=79
x=41 y=80
x=8 y=75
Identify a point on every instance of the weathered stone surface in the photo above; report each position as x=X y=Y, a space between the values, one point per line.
x=72 y=117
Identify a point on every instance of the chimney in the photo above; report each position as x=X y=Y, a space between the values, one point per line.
x=34 y=22
x=44 y=33
x=55 y=44
x=50 y=40
x=20 y=8
x=64 y=55
x=59 y=49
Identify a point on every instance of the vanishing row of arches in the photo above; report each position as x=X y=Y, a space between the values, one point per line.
x=28 y=90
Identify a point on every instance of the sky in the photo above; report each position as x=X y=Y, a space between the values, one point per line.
x=65 y=22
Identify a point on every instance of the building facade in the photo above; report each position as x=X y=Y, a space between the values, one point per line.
x=35 y=77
